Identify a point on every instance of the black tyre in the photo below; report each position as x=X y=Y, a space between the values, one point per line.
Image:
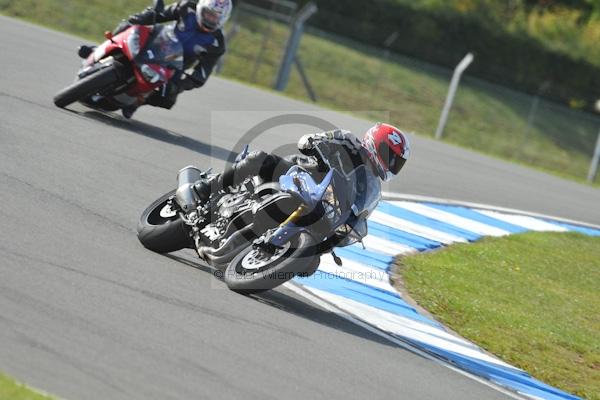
x=86 y=87
x=248 y=274
x=161 y=230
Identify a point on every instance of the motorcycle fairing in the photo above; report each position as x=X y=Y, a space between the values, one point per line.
x=299 y=183
x=159 y=50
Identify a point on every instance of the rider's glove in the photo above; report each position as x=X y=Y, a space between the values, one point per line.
x=306 y=145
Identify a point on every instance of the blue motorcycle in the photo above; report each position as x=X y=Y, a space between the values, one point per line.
x=262 y=234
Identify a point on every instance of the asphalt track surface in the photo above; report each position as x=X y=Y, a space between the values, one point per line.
x=87 y=313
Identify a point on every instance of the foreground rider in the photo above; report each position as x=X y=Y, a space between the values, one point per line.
x=199 y=29
x=383 y=150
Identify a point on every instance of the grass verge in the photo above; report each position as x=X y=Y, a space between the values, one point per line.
x=488 y=118
x=12 y=390
x=531 y=299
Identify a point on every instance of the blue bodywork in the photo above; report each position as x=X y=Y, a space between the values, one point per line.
x=348 y=197
x=301 y=185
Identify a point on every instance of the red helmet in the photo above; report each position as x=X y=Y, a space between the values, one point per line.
x=388 y=149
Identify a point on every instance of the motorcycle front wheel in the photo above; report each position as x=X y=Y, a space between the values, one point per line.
x=254 y=271
x=161 y=230
x=87 y=86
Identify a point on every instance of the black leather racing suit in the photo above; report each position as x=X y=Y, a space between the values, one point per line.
x=202 y=50
x=341 y=149
x=338 y=145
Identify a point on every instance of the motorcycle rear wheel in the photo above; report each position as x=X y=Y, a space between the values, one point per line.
x=246 y=275
x=162 y=230
x=87 y=86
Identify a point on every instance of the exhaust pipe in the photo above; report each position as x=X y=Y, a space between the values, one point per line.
x=234 y=244
x=185 y=195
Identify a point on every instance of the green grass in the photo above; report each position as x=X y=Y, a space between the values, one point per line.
x=485 y=117
x=531 y=299
x=87 y=18
x=12 y=390
x=354 y=78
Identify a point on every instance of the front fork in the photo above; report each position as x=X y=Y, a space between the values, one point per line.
x=295 y=216
x=288 y=229
x=284 y=233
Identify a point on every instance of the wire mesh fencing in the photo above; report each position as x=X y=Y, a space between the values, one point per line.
x=348 y=75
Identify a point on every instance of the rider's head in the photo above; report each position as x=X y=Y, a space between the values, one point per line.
x=388 y=149
x=213 y=14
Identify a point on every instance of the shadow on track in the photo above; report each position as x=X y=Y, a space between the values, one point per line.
x=298 y=307
x=156 y=133
x=302 y=308
x=189 y=263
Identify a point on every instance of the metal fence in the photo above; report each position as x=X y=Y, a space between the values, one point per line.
x=256 y=40
x=349 y=75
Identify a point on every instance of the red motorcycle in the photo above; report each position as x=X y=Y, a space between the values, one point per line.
x=126 y=68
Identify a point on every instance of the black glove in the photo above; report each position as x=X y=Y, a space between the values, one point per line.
x=306 y=145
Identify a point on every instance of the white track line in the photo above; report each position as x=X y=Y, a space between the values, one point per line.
x=452 y=219
x=525 y=221
x=389 y=196
x=384 y=246
x=406 y=327
x=331 y=308
x=401 y=224
x=357 y=272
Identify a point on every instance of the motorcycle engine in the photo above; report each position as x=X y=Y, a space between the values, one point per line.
x=230 y=203
x=228 y=206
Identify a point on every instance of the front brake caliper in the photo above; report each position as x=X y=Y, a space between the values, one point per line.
x=264 y=243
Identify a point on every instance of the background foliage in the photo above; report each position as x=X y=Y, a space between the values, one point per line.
x=518 y=43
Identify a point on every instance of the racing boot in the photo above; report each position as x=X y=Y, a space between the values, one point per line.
x=84 y=51
x=205 y=187
x=128 y=111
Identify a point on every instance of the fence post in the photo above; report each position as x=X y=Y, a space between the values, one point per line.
x=305 y=81
x=595 y=159
x=458 y=71
x=531 y=117
x=229 y=35
x=292 y=45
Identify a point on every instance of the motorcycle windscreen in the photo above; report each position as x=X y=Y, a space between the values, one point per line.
x=163 y=48
x=367 y=193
